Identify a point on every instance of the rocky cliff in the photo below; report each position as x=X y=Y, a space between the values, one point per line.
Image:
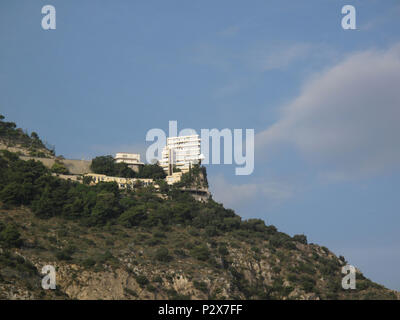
x=178 y=262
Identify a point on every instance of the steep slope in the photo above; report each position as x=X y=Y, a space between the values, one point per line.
x=17 y=140
x=175 y=262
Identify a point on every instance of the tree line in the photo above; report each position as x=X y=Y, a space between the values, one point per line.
x=31 y=184
x=107 y=165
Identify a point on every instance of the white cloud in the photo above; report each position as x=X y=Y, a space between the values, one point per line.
x=346 y=118
x=231 y=88
x=261 y=57
x=237 y=195
x=279 y=57
x=267 y=57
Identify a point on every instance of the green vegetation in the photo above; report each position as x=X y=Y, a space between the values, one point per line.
x=9 y=235
x=59 y=167
x=107 y=165
x=200 y=285
x=200 y=252
x=192 y=178
x=151 y=171
x=162 y=254
x=30 y=183
x=300 y=238
x=142 y=280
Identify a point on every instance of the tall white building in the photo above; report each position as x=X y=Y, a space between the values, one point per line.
x=181 y=152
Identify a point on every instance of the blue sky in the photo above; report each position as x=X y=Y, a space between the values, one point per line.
x=323 y=101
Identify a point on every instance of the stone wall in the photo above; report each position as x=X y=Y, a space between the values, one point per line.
x=74 y=166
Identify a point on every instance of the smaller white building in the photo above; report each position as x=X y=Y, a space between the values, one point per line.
x=131 y=159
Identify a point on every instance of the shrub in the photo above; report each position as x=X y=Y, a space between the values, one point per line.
x=59 y=167
x=307 y=283
x=106 y=165
x=173 y=295
x=325 y=249
x=292 y=277
x=133 y=216
x=158 y=279
x=180 y=253
x=200 y=285
x=162 y=254
x=142 y=280
x=153 y=242
x=200 y=252
x=88 y=263
x=189 y=245
x=254 y=225
x=306 y=268
x=256 y=250
x=10 y=236
x=151 y=171
x=106 y=207
x=159 y=234
x=151 y=288
x=300 y=238
x=12 y=194
x=63 y=255
x=276 y=269
x=223 y=251
x=211 y=231
x=107 y=257
x=289 y=245
x=193 y=232
x=231 y=223
x=130 y=292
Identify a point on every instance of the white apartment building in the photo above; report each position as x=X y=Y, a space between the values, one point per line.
x=182 y=152
x=131 y=159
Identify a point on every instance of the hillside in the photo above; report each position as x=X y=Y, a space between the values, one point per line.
x=17 y=140
x=108 y=243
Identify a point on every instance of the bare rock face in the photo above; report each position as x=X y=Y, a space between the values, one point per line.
x=246 y=274
x=24 y=151
x=104 y=286
x=197 y=265
x=75 y=167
